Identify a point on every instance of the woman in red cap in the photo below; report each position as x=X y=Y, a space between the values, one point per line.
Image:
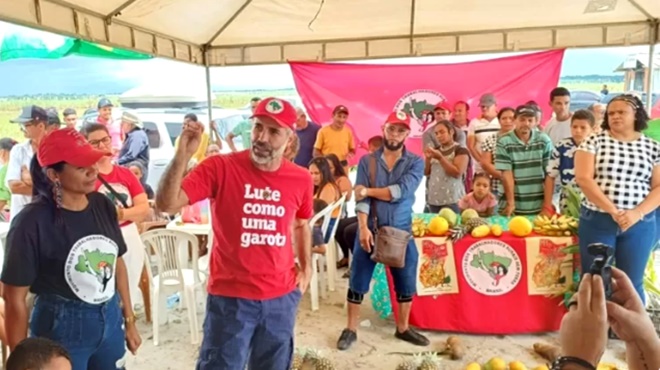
x=66 y=248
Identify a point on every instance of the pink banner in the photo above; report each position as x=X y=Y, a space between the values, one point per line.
x=372 y=91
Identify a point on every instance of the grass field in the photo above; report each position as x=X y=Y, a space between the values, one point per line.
x=10 y=108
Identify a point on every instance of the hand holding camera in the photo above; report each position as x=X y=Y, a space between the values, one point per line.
x=601 y=265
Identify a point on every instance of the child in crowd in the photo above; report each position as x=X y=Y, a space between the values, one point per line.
x=561 y=162
x=318 y=241
x=480 y=199
x=138 y=170
x=37 y=354
x=374 y=143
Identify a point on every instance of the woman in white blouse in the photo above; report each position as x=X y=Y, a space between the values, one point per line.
x=618 y=171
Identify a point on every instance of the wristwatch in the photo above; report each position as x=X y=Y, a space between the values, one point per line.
x=561 y=361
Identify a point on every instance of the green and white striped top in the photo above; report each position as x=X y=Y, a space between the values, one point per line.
x=528 y=162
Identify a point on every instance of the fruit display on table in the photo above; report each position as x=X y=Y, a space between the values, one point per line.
x=520 y=226
x=468 y=225
x=556 y=225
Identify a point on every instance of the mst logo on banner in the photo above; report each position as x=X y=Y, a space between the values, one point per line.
x=419 y=105
x=492 y=267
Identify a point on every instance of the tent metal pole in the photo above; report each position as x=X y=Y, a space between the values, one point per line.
x=209 y=99
x=649 y=75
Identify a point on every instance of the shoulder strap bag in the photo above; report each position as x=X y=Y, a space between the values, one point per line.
x=390 y=243
x=113 y=191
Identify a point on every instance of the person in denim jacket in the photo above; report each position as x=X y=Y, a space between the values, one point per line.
x=398 y=175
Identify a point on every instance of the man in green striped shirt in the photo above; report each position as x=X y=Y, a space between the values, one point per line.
x=522 y=156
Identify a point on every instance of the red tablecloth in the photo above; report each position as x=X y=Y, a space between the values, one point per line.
x=491 y=301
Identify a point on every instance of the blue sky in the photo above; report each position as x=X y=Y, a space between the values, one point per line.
x=86 y=75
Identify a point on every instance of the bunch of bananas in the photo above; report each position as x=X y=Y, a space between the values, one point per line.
x=555 y=225
x=418 y=227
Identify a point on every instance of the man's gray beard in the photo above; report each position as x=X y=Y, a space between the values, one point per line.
x=276 y=154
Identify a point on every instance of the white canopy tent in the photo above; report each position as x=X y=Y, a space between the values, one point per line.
x=241 y=32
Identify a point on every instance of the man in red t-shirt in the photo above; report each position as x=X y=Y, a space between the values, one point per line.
x=260 y=202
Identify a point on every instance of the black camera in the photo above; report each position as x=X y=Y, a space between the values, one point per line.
x=601 y=265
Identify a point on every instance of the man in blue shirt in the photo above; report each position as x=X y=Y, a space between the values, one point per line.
x=136 y=145
x=398 y=175
x=306 y=132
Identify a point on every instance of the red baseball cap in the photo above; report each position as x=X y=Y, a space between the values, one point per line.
x=67 y=145
x=398 y=118
x=443 y=105
x=340 y=109
x=279 y=110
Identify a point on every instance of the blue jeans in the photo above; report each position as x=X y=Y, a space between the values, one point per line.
x=92 y=334
x=362 y=270
x=632 y=248
x=430 y=208
x=242 y=331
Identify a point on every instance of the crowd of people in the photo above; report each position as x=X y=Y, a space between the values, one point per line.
x=76 y=199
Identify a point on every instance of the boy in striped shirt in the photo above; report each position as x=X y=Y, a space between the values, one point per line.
x=522 y=156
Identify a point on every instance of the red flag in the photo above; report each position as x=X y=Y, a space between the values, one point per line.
x=372 y=91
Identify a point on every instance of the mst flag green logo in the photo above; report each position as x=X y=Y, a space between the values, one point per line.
x=419 y=104
x=492 y=267
x=275 y=106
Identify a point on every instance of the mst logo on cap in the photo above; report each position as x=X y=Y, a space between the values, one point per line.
x=275 y=106
x=400 y=115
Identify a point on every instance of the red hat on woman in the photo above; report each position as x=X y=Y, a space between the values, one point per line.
x=67 y=145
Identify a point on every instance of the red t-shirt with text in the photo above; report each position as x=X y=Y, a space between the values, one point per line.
x=252 y=215
x=126 y=185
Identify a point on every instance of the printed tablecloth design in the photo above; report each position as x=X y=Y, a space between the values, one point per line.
x=380 y=294
x=436 y=269
x=494 y=285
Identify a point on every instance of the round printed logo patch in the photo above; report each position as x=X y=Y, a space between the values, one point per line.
x=418 y=105
x=492 y=267
x=275 y=106
x=90 y=268
x=400 y=115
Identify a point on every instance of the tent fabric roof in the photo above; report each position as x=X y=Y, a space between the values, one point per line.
x=236 y=32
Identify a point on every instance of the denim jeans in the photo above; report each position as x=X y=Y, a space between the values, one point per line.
x=632 y=248
x=92 y=334
x=430 y=208
x=242 y=331
x=362 y=270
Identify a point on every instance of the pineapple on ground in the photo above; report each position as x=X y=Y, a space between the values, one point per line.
x=298 y=358
x=314 y=361
x=458 y=232
x=430 y=362
x=411 y=364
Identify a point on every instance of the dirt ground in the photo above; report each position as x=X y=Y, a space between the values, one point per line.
x=320 y=330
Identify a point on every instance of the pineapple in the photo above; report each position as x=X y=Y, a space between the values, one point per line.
x=309 y=359
x=298 y=358
x=323 y=363
x=458 y=232
x=314 y=361
x=430 y=362
x=411 y=364
x=407 y=365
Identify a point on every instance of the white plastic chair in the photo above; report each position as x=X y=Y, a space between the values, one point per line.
x=329 y=261
x=167 y=251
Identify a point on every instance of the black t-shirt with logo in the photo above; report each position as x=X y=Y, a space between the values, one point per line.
x=74 y=259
